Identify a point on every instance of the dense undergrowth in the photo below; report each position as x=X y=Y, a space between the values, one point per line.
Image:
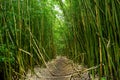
x=35 y=31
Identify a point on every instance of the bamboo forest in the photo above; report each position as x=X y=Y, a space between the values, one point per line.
x=59 y=39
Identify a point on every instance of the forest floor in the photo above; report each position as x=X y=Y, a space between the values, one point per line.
x=60 y=68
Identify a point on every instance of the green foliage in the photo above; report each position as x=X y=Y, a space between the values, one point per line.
x=7 y=54
x=103 y=78
x=34 y=31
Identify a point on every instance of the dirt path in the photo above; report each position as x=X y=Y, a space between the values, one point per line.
x=60 y=68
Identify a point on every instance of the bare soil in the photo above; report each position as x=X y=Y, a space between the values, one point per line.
x=60 y=68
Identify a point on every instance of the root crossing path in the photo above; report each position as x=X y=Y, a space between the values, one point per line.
x=60 y=68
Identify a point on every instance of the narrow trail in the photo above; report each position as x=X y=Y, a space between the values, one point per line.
x=60 y=68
